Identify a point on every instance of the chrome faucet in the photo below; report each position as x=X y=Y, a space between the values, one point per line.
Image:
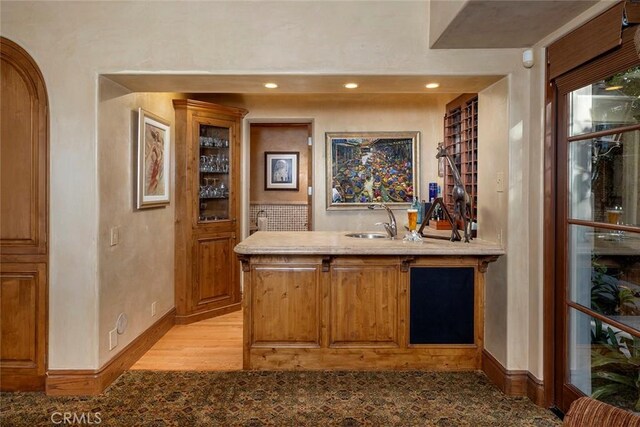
x=391 y=226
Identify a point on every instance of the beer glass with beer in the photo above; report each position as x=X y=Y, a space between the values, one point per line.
x=614 y=215
x=412 y=217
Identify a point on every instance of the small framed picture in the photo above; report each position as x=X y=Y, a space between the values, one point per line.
x=281 y=170
x=154 y=160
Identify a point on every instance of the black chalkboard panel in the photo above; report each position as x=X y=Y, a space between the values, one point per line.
x=441 y=308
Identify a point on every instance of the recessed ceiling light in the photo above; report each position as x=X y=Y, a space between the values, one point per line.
x=351 y=85
x=432 y=85
x=270 y=85
x=613 y=87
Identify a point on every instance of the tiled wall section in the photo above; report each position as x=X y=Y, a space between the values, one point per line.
x=281 y=217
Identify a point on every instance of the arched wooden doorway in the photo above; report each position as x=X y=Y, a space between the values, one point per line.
x=24 y=224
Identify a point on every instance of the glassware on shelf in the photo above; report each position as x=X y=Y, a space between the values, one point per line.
x=213 y=188
x=214 y=163
x=224 y=163
x=214 y=192
x=223 y=191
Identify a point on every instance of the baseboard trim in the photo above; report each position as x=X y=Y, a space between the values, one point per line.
x=513 y=382
x=185 y=319
x=20 y=382
x=535 y=390
x=75 y=382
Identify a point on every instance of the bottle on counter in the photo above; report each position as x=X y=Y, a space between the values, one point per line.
x=437 y=213
x=415 y=205
x=421 y=212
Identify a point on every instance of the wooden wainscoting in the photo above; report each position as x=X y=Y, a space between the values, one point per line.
x=93 y=382
x=513 y=382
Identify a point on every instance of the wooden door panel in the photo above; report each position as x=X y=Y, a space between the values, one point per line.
x=215 y=270
x=23 y=163
x=364 y=306
x=22 y=317
x=24 y=174
x=17 y=168
x=285 y=304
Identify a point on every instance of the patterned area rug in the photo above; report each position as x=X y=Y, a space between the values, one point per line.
x=145 y=398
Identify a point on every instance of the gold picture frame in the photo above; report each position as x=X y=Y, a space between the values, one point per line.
x=371 y=167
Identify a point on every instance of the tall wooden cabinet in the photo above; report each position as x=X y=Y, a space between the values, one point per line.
x=208 y=141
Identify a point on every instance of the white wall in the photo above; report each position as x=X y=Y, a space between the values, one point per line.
x=139 y=269
x=493 y=208
x=74 y=42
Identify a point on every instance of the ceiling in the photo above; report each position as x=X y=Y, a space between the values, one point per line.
x=502 y=23
x=209 y=83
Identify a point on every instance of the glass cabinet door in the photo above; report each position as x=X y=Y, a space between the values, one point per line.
x=602 y=239
x=214 y=173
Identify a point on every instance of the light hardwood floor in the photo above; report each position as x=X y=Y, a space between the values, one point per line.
x=209 y=345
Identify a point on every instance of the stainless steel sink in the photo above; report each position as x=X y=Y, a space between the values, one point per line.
x=368 y=235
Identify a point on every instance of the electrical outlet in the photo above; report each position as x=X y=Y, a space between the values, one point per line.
x=499 y=237
x=113 y=339
x=154 y=306
x=500 y=182
x=115 y=236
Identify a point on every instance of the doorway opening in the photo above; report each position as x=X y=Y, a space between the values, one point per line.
x=280 y=177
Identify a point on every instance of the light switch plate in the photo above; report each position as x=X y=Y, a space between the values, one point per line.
x=115 y=236
x=500 y=182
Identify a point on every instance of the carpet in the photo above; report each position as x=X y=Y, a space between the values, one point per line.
x=283 y=398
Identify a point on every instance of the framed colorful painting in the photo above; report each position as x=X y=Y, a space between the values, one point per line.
x=154 y=160
x=371 y=167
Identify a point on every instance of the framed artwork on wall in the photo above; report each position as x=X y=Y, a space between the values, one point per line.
x=154 y=160
x=281 y=170
x=371 y=167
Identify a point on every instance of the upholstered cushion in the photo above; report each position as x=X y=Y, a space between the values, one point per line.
x=587 y=412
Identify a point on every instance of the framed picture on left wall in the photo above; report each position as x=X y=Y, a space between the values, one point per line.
x=154 y=160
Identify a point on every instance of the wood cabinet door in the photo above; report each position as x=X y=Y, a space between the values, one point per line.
x=216 y=272
x=24 y=132
x=23 y=294
x=216 y=208
x=364 y=305
x=285 y=305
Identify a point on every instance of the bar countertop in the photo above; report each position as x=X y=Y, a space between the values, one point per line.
x=337 y=243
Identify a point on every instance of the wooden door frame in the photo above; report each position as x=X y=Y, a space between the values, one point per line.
x=554 y=275
x=310 y=123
